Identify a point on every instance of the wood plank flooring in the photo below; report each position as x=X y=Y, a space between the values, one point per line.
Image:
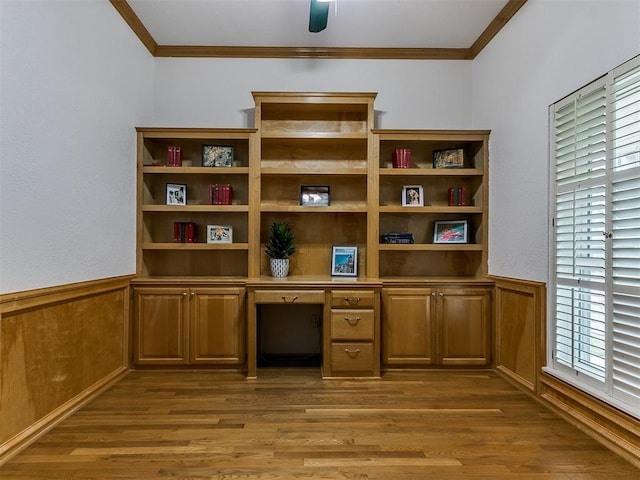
x=291 y=424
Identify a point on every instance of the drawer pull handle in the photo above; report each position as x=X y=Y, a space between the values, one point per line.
x=352 y=300
x=352 y=353
x=353 y=321
x=289 y=299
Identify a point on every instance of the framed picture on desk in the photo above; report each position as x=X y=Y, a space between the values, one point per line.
x=344 y=261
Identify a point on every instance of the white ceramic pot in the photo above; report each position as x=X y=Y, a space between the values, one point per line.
x=279 y=267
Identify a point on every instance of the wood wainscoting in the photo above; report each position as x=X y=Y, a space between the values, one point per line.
x=520 y=319
x=59 y=348
x=521 y=343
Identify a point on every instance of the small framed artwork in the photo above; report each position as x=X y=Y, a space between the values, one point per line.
x=219 y=234
x=314 y=195
x=344 y=261
x=452 y=158
x=176 y=194
x=451 y=231
x=217 y=156
x=412 y=196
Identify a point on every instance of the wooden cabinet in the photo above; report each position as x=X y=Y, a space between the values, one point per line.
x=446 y=326
x=409 y=330
x=189 y=326
x=161 y=326
x=160 y=252
x=426 y=257
x=351 y=334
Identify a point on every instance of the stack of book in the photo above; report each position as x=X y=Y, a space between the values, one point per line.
x=184 y=232
x=396 y=238
x=174 y=156
x=457 y=196
x=401 y=158
x=220 y=194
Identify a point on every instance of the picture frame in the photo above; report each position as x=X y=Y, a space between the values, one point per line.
x=315 y=195
x=450 y=231
x=217 y=156
x=449 y=158
x=219 y=234
x=176 y=194
x=344 y=261
x=412 y=196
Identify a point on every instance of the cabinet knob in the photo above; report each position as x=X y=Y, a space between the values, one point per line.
x=352 y=300
x=353 y=321
x=289 y=299
x=184 y=294
x=441 y=294
x=352 y=353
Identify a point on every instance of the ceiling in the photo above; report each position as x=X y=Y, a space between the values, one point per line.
x=401 y=29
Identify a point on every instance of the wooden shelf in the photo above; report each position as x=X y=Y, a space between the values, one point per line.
x=431 y=172
x=195 y=208
x=342 y=208
x=195 y=246
x=310 y=171
x=433 y=247
x=195 y=170
x=314 y=135
x=430 y=209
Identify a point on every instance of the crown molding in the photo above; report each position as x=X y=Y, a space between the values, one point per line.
x=356 y=53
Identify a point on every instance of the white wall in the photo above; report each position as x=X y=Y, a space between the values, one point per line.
x=75 y=82
x=217 y=92
x=548 y=50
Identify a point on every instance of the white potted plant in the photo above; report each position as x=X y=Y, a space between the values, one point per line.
x=279 y=248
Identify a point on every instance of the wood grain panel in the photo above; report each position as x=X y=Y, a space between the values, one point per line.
x=519 y=320
x=58 y=346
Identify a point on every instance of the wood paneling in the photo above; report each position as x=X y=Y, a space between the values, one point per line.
x=519 y=320
x=58 y=348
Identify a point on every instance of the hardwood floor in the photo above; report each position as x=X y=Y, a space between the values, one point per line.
x=291 y=424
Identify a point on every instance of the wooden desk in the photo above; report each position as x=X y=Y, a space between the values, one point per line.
x=351 y=319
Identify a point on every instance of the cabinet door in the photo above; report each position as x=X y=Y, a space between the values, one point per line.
x=217 y=326
x=464 y=326
x=409 y=333
x=160 y=329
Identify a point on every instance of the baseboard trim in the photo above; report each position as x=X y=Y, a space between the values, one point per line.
x=26 y=437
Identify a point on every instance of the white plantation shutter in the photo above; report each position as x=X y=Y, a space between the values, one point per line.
x=625 y=233
x=595 y=296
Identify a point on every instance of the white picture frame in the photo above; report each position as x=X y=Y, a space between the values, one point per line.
x=176 y=194
x=412 y=196
x=344 y=261
x=451 y=231
x=219 y=234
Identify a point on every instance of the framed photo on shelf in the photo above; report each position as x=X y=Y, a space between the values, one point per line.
x=219 y=234
x=217 y=156
x=344 y=261
x=451 y=231
x=314 y=195
x=176 y=194
x=452 y=158
x=412 y=196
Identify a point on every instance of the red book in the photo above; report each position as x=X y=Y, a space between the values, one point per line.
x=171 y=155
x=451 y=196
x=463 y=196
x=176 y=232
x=227 y=194
x=178 y=157
x=190 y=235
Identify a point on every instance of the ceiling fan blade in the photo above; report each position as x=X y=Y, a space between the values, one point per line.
x=318 y=14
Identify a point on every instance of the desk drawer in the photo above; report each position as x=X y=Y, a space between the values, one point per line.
x=352 y=298
x=352 y=357
x=352 y=324
x=289 y=296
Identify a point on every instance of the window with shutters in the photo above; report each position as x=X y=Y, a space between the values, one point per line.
x=595 y=289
